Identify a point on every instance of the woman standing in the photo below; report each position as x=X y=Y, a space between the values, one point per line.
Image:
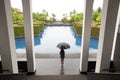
x=62 y=56
x=62 y=46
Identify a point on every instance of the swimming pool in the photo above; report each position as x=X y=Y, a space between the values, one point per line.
x=50 y=36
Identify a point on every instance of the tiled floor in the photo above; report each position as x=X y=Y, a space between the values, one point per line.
x=53 y=67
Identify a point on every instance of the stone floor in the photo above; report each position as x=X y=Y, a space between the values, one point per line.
x=53 y=67
x=89 y=76
x=50 y=69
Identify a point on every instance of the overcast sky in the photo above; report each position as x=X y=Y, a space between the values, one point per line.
x=58 y=7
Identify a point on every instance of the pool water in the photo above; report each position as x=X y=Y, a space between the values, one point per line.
x=50 y=36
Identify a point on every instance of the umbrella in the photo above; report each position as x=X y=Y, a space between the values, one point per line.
x=63 y=45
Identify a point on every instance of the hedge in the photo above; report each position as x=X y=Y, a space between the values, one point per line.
x=19 y=31
x=94 y=30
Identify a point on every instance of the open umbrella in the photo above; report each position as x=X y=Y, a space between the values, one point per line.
x=63 y=45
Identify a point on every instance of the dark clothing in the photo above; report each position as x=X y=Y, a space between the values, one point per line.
x=62 y=54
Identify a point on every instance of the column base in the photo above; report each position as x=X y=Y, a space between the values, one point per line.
x=31 y=73
x=82 y=72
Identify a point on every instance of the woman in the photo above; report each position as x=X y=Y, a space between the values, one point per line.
x=62 y=55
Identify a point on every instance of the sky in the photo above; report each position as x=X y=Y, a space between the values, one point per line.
x=58 y=7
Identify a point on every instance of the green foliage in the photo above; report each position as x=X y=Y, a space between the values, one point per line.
x=39 y=17
x=94 y=30
x=99 y=10
x=14 y=10
x=65 y=20
x=19 y=31
x=38 y=23
x=96 y=16
x=43 y=17
x=77 y=24
x=78 y=17
x=37 y=29
x=78 y=29
x=74 y=17
x=17 y=18
x=98 y=19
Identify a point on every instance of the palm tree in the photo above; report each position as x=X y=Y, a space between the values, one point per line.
x=74 y=12
x=99 y=10
x=71 y=13
x=53 y=16
x=45 y=12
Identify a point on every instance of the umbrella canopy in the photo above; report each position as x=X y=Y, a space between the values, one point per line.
x=63 y=45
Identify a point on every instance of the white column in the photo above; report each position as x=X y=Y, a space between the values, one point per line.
x=116 y=33
x=86 y=35
x=28 y=26
x=109 y=16
x=7 y=40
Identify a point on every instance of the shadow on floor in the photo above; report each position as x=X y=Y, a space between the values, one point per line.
x=103 y=76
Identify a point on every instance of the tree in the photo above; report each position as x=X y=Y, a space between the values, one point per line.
x=53 y=16
x=71 y=13
x=94 y=16
x=98 y=19
x=65 y=20
x=99 y=10
x=96 y=13
x=44 y=12
x=14 y=10
x=74 y=12
x=76 y=17
x=39 y=17
x=17 y=18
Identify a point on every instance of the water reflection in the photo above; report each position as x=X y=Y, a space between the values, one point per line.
x=20 y=42
x=37 y=40
x=62 y=71
x=50 y=36
x=78 y=41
